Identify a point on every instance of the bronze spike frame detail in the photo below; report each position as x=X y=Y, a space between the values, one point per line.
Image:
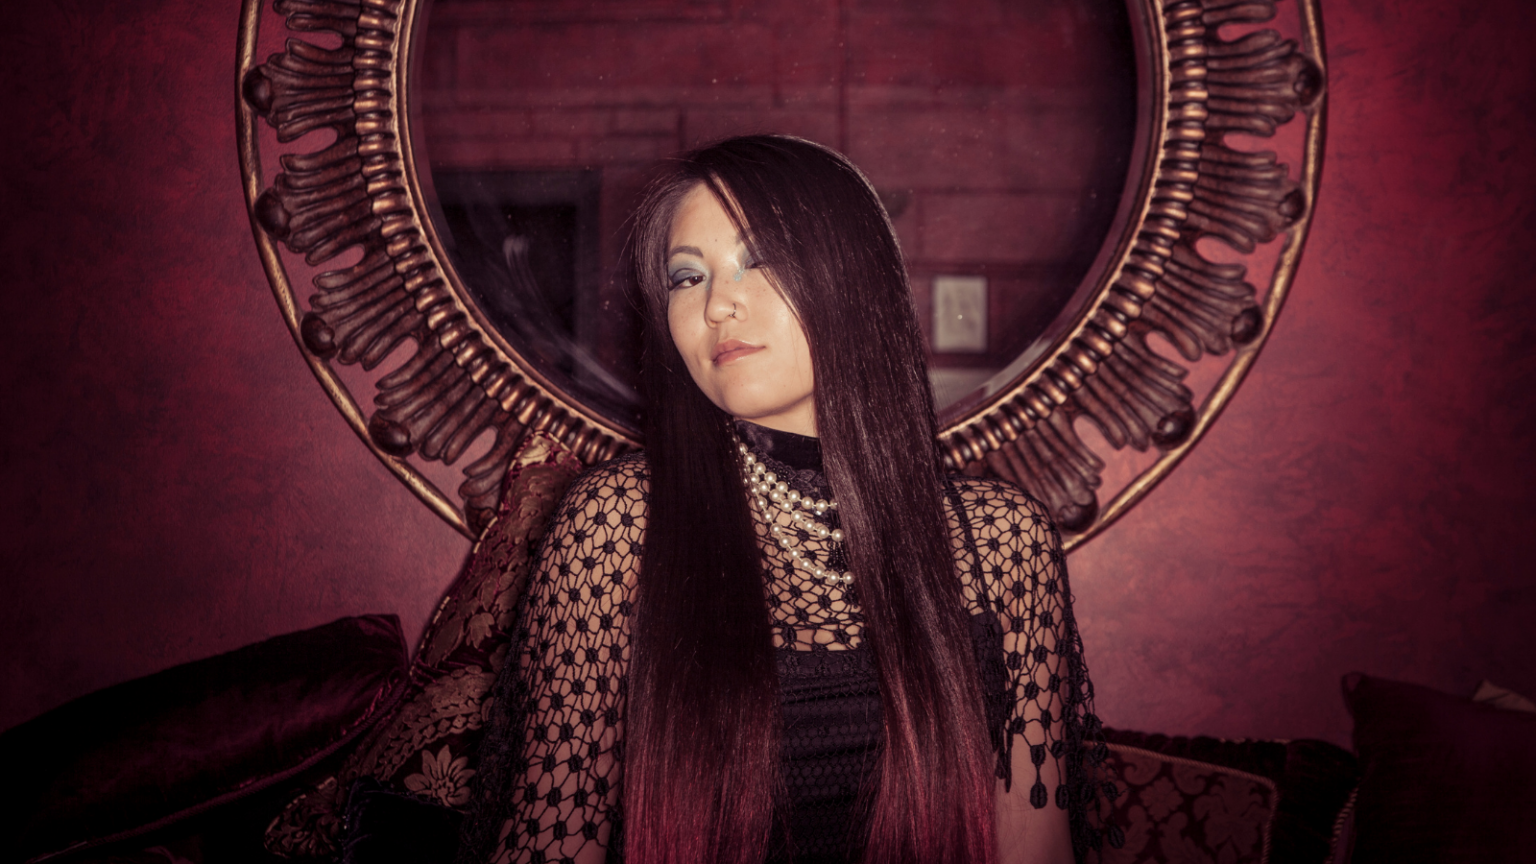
x=1104 y=371
x=463 y=379
x=357 y=192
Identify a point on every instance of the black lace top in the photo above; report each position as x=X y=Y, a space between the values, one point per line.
x=553 y=765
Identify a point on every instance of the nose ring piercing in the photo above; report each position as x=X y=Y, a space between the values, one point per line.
x=733 y=310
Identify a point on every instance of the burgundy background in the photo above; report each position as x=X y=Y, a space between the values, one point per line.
x=177 y=485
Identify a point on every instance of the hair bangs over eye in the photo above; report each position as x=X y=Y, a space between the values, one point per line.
x=819 y=228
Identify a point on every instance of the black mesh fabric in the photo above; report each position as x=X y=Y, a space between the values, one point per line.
x=551 y=774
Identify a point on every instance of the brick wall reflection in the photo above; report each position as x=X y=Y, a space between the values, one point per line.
x=997 y=133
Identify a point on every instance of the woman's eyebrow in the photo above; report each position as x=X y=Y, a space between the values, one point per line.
x=696 y=252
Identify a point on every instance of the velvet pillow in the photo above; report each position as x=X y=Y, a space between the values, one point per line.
x=1446 y=779
x=141 y=755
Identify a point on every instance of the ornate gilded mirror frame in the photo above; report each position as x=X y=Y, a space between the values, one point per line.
x=362 y=191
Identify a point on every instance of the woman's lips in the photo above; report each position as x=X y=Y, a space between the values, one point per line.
x=731 y=350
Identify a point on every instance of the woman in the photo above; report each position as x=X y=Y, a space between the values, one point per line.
x=781 y=633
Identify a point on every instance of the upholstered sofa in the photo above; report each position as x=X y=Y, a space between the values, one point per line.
x=333 y=744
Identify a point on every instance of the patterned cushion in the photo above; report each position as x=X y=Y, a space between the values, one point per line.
x=428 y=747
x=1172 y=809
x=1203 y=799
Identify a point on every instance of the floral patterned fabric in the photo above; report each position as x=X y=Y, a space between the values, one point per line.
x=1181 y=811
x=428 y=747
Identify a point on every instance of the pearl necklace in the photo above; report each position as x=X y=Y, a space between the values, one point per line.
x=768 y=492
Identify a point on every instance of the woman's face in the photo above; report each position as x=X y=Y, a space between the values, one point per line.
x=741 y=342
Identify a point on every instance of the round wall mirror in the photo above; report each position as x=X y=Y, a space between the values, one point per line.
x=460 y=175
x=999 y=137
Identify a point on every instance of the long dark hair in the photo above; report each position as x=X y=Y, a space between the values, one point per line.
x=702 y=731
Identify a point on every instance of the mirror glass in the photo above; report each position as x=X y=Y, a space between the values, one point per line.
x=997 y=132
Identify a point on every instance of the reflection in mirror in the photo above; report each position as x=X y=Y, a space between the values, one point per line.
x=998 y=134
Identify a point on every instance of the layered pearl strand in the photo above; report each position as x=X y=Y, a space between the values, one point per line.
x=769 y=492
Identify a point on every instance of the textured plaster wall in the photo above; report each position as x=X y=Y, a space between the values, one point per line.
x=177 y=485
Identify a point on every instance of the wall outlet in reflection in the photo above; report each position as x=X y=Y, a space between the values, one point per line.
x=960 y=313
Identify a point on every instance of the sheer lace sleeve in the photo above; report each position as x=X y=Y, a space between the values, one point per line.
x=1013 y=567
x=549 y=789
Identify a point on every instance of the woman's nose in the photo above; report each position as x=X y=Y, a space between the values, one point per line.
x=725 y=301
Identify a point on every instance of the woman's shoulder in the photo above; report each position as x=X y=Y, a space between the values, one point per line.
x=628 y=473
x=990 y=499
x=597 y=530
x=1007 y=547
x=626 y=470
x=619 y=485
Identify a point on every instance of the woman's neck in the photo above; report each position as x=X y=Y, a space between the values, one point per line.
x=800 y=452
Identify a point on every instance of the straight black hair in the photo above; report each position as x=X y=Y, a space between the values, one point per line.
x=702 y=727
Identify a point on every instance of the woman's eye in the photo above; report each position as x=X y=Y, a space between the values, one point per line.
x=686 y=278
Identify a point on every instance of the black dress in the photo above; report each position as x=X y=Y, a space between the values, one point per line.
x=552 y=765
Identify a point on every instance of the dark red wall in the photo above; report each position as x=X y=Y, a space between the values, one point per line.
x=176 y=484
x=1366 y=500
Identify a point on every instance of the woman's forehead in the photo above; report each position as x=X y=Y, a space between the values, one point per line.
x=700 y=210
